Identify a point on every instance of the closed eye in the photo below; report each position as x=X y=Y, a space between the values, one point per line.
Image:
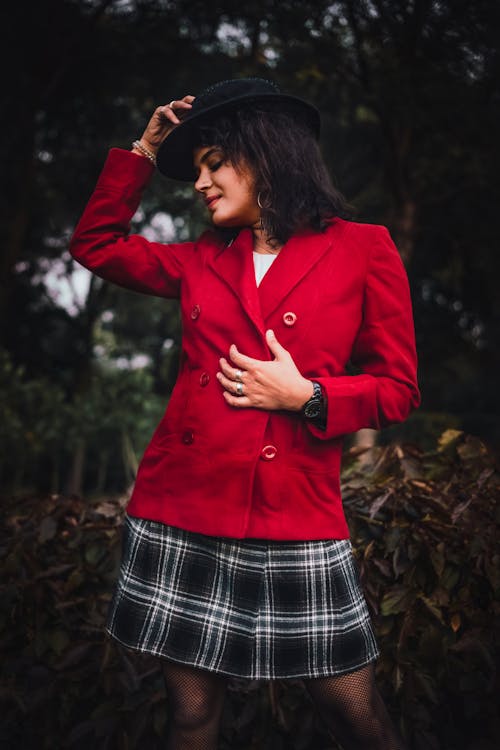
x=215 y=167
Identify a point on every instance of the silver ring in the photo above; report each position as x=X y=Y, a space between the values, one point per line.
x=171 y=105
x=239 y=389
x=238 y=376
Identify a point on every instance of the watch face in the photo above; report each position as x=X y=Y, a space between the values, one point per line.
x=312 y=409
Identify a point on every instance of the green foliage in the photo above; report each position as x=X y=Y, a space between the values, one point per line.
x=34 y=421
x=410 y=108
x=41 y=428
x=425 y=528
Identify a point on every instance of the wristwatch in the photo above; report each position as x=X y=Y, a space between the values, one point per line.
x=313 y=408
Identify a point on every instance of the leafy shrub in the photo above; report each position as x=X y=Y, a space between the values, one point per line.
x=425 y=530
x=41 y=428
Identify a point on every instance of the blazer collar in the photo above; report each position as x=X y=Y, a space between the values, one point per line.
x=234 y=264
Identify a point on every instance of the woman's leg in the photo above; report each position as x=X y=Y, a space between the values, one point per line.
x=196 y=699
x=354 y=711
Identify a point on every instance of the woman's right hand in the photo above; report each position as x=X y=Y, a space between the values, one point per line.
x=163 y=121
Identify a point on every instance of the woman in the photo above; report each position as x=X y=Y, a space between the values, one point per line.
x=236 y=554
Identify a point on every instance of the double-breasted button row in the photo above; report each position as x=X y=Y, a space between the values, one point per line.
x=289 y=318
x=268 y=452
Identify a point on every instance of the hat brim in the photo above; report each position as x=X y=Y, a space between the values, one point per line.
x=175 y=155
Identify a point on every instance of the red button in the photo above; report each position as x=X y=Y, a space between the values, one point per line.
x=188 y=437
x=289 y=318
x=204 y=379
x=268 y=452
x=195 y=312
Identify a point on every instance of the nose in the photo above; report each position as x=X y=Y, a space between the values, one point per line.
x=203 y=181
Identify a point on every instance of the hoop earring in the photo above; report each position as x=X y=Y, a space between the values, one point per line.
x=259 y=202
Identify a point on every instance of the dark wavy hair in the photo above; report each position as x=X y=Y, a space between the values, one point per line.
x=292 y=182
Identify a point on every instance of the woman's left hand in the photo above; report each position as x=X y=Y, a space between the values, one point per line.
x=275 y=384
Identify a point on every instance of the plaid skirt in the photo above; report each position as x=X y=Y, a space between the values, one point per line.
x=260 y=609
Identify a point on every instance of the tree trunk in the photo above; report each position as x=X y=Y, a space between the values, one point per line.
x=75 y=480
x=102 y=471
x=54 y=473
x=130 y=462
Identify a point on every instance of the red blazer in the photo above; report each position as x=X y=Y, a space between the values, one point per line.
x=329 y=297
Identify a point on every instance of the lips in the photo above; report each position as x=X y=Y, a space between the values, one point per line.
x=210 y=201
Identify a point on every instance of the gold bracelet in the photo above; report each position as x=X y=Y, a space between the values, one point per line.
x=145 y=151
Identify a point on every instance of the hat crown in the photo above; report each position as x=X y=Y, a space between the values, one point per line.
x=224 y=91
x=175 y=156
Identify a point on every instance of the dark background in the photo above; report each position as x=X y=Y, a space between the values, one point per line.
x=409 y=93
x=409 y=96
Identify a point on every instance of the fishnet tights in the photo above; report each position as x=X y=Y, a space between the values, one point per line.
x=350 y=705
x=354 y=711
x=196 y=699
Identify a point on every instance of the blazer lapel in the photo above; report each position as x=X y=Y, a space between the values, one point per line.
x=234 y=264
x=296 y=259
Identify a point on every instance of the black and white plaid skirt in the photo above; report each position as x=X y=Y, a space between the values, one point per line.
x=260 y=609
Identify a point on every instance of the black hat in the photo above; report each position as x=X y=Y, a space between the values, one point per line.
x=175 y=155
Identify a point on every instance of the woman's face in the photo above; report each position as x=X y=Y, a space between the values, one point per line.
x=228 y=193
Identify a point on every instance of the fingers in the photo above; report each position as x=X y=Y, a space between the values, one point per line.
x=279 y=351
x=241 y=360
x=232 y=379
x=232 y=373
x=167 y=113
x=170 y=111
x=238 y=401
x=164 y=120
x=234 y=390
x=230 y=384
x=185 y=100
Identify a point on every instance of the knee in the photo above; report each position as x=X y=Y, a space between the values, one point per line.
x=193 y=711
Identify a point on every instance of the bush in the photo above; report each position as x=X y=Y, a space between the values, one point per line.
x=41 y=428
x=425 y=530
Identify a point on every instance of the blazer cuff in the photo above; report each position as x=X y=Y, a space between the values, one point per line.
x=123 y=170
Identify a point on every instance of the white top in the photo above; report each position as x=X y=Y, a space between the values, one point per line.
x=262 y=263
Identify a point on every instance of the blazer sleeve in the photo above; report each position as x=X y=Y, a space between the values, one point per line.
x=386 y=390
x=101 y=241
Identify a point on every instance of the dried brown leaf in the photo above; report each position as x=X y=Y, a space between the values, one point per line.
x=447 y=438
x=396 y=600
x=455 y=622
x=47 y=530
x=432 y=607
x=379 y=502
x=461 y=508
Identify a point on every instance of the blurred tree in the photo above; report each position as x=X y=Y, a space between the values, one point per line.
x=410 y=103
